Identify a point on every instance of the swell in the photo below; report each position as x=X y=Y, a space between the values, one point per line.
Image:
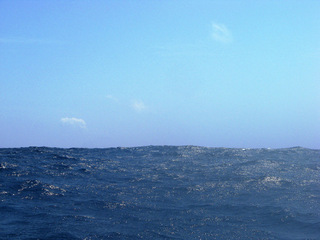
x=167 y=192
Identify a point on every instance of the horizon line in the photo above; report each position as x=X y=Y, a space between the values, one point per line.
x=165 y=145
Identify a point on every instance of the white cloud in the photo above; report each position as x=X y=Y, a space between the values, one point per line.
x=74 y=122
x=111 y=97
x=138 y=105
x=221 y=33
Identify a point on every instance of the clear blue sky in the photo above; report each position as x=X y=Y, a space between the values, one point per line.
x=132 y=73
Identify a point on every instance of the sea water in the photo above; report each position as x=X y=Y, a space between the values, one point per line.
x=159 y=192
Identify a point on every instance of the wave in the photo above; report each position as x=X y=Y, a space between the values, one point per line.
x=160 y=192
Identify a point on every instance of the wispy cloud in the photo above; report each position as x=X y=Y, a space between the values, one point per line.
x=29 y=41
x=112 y=98
x=221 y=33
x=138 y=105
x=135 y=104
x=78 y=122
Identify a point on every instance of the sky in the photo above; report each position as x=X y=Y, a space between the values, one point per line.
x=243 y=74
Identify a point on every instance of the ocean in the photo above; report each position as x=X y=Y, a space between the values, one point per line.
x=159 y=192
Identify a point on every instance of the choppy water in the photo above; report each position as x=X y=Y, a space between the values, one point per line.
x=163 y=192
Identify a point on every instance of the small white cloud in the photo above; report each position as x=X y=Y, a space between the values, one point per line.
x=112 y=98
x=221 y=33
x=138 y=105
x=74 y=122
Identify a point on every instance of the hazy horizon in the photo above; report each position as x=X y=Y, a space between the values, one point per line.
x=99 y=74
x=162 y=146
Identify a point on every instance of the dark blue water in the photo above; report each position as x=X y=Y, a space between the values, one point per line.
x=159 y=193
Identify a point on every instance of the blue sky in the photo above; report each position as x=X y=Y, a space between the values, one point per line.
x=132 y=73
